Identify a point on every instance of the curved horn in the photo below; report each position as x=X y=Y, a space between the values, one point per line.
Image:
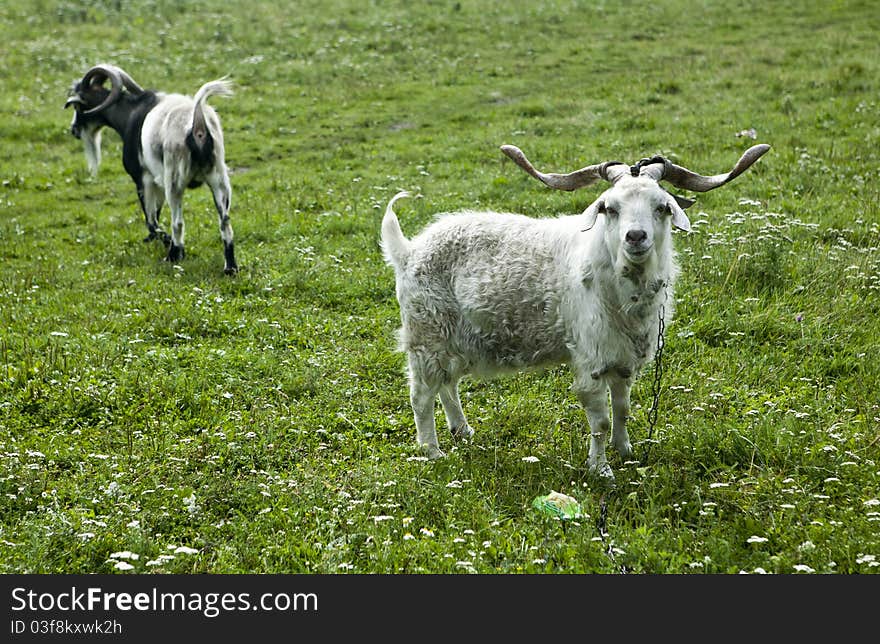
x=684 y=178
x=571 y=181
x=73 y=99
x=118 y=80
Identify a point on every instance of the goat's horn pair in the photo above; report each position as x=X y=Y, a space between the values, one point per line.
x=118 y=80
x=609 y=171
x=662 y=169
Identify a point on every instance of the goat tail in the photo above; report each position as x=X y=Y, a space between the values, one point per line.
x=199 y=134
x=395 y=247
x=219 y=87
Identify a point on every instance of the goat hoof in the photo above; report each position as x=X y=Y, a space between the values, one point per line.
x=624 y=449
x=603 y=472
x=462 y=432
x=231 y=270
x=175 y=254
x=433 y=452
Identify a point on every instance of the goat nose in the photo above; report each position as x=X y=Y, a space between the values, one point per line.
x=636 y=236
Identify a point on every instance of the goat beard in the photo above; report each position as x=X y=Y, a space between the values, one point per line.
x=91 y=139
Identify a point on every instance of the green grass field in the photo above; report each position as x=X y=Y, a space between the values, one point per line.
x=170 y=419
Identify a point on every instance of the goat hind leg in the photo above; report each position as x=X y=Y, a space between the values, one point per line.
x=174 y=197
x=152 y=199
x=222 y=191
x=455 y=418
x=422 y=394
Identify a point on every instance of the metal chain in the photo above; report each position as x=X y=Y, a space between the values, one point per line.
x=601 y=528
x=658 y=375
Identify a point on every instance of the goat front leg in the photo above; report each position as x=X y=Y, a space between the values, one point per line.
x=620 y=408
x=455 y=418
x=222 y=191
x=595 y=403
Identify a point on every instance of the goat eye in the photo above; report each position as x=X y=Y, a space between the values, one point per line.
x=611 y=212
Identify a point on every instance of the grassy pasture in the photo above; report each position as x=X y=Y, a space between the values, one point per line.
x=199 y=423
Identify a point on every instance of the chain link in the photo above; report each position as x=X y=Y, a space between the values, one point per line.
x=658 y=375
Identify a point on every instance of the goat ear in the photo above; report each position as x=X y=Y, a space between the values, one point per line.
x=684 y=202
x=679 y=219
x=592 y=212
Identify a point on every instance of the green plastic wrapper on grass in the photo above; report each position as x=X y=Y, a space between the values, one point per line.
x=559 y=505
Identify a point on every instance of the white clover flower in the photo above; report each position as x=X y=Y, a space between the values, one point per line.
x=185 y=550
x=807 y=546
x=756 y=539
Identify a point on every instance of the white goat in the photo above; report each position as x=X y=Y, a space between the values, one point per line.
x=170 y=142
x=483 y=293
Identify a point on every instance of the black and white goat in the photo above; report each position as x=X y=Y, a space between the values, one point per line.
x=484 y=292
x=170 y=142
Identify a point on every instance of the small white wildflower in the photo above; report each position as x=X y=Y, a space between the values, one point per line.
x=226 y=395
x=872 y=502
x=133 y=524
x=459 y=540
x=406 y=520
x=803 y=568
x=125 y=554
x=530 y=459
x=756 y=539
x=185 y=550
x=712 y=486
x=759 y=571
x=191 y=504
x=871 y=560
x=408 y=536
x=382 y=517
x=539 y=562
x=426 y=532
x=122 y=565
x=454 y=484
x=807 y=546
